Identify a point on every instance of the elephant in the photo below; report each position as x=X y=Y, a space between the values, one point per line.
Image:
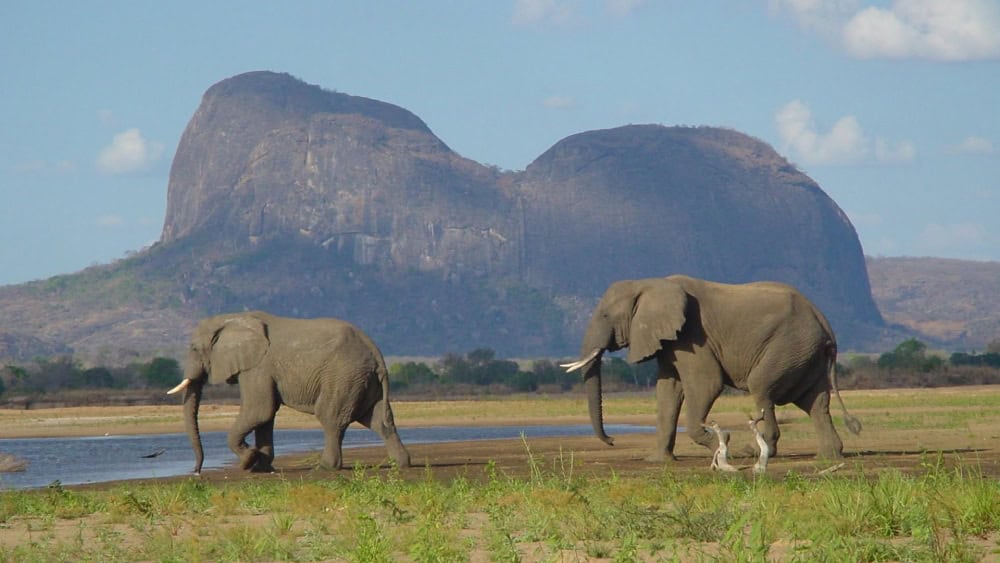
x=763 y=337
x=323 y=366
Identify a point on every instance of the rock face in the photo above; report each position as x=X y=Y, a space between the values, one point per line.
x=306 y=202
x=647 y=200
x=266 y=155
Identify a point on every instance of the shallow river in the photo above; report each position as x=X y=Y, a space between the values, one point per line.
x=72 y=461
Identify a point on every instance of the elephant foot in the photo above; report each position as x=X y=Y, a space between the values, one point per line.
x=661 y=457
x=263 y=465
x=331 y=464
x=249 y=459
x=831 y=454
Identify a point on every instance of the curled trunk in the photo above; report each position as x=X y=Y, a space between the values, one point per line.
x=192 y=400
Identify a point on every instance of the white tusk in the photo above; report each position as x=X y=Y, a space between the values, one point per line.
x=180 y=387
x=573 y=366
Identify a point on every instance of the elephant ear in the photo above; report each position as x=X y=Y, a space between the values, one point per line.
x=239 y=346
x=658 y=315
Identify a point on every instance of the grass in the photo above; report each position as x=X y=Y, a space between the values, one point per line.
x=939 y=514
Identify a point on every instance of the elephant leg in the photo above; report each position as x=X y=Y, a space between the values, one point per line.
x=258 y=405
x=380 y=420
x=669 y=397
x=816 y=403
x=701 y=389
x=333 y=456
x=264 y=442
x=768 y=427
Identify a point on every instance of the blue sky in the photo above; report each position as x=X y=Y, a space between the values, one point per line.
x=891 y=106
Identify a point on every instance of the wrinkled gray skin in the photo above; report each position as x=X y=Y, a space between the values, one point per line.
x=326 y=367
x=764 y=337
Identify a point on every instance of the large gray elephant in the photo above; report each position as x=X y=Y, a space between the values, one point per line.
x=764 y=337
x=326 y=367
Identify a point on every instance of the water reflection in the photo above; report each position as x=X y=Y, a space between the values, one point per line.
x=74 y=461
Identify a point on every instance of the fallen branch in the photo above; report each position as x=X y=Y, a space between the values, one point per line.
x=720 y=460
x=831 y=469
x=761 y=466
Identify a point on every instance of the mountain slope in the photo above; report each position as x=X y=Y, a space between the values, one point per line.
x=954 y=302
x=302 y=201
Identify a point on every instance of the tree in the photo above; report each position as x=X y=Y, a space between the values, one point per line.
x=547 y=372
x=411 y=373
x=161 y=372
x=98 y=377
x=910 y=354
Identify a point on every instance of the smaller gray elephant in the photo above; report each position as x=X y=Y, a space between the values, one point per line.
x=326 y=367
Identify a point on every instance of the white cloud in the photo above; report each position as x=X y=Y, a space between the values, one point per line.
x=974 y=145
x=965 y=237
x=623 y=7
x=881 y=246
x=128 y=152
x=942 y=30
x=558 y=102
x=531 y=12
x=826 y=16
x=903 y=151
x=861 y=219
x=946 y=30
x=110 y=221
x=845 y=143
x=106 y=117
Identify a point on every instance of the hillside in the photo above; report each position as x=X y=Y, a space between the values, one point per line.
x=951 y=302
x=303 y=201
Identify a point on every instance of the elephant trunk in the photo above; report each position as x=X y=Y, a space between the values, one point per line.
x=192 y=400
x=595 y=399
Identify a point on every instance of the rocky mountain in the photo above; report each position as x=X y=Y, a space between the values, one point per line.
x=953 y=302
x=303 y=201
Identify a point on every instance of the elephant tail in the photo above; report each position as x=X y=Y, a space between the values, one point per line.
x=383 y=377
x=852 y=422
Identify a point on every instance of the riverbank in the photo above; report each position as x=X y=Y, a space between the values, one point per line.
x=918 y=484
x=902 y=428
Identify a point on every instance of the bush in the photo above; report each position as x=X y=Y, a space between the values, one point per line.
x=161 y=373
x=411 y=373
x=910 y=354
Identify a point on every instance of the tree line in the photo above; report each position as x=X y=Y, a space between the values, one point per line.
x=480 y=371
x=63 y=373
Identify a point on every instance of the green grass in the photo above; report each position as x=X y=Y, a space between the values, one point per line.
x=936 y=514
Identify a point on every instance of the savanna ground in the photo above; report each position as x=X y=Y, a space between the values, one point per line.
x=921 y=483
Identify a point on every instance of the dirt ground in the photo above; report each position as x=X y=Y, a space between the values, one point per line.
x=884 y=443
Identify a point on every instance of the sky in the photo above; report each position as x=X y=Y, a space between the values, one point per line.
x=893 y=106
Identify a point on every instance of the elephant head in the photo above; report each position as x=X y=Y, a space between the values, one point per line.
x=633 y=314
x=220 y=349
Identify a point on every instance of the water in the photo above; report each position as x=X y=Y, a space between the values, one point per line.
x=73 y=461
